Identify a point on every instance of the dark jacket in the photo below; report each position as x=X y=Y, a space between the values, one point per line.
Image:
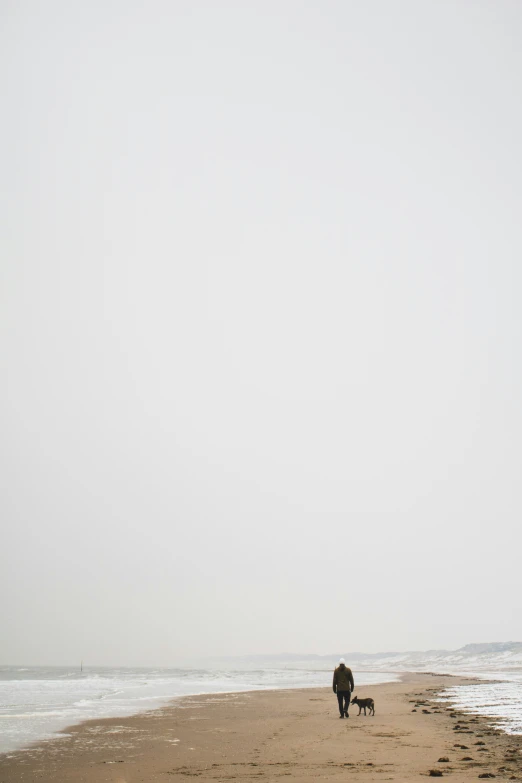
x=343 y=679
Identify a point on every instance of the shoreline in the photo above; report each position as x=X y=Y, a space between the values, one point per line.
x=272 y=733
x=173 y=701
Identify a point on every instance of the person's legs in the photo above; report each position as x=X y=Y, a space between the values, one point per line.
x=347 y=695
x=340 y=695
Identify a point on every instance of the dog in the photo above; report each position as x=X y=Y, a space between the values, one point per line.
x=363 y=703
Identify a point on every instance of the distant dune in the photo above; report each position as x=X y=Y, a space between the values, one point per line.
x=489 y=656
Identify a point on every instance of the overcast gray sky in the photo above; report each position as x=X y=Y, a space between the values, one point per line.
x=260 y=327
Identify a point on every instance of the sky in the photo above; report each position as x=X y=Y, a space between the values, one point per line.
x=260 y=327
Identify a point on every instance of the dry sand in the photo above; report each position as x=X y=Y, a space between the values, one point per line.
x=293 y=734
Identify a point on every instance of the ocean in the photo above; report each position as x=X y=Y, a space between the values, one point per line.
x=36 y=703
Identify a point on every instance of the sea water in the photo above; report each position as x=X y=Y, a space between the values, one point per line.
x=38 y=702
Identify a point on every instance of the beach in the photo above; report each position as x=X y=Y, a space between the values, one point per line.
x=295 y=734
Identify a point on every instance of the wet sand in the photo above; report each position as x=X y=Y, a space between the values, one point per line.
x=268 y=735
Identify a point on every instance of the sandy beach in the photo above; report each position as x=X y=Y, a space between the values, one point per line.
x=296 y=734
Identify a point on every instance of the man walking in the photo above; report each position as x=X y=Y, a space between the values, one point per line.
x=343 y=685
